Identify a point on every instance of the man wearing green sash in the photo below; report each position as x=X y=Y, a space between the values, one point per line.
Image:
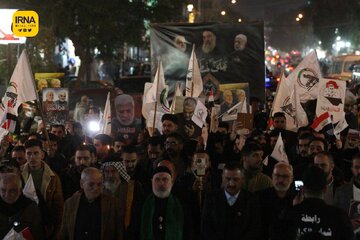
x=162 y=214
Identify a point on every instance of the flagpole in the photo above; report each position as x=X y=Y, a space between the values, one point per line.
x=37 y=103
x=157 y=89
x=276 y=94
x=192 y=75
x=296 y=105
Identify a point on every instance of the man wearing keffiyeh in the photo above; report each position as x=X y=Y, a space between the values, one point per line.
x=117 y=183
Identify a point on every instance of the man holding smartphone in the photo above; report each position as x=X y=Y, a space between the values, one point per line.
x=313 y=215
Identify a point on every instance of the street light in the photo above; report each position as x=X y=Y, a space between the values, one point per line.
x=233 y=1
x=190 y=9
x=223 y=13
x=239 y=20
x=299 y=17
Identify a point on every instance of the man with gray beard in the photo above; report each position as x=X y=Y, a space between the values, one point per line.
x=274 y=200
x=162 y=214
x=209 y=41
x=118 y=184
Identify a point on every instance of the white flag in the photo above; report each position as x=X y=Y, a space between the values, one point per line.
x=178 y=93
x=21 y=86
x=13 y=235
x=340 y=126
x=147 y=106
x=331 y=98
x=157 y=87
x=301 y=118
x=194 y=83
x=200 y=114
x=279 y=153
x=214 y=122
x=283 y=102
x=106 y=120
x=150 y=120
x=29 y=190
x=306 y=77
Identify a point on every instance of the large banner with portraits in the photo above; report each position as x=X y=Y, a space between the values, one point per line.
x=226 y=53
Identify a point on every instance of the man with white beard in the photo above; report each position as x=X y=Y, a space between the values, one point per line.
x=274 y=200
x=117 y=183
x=162 y=214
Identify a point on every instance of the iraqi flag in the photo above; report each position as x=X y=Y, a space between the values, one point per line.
x=322 y=123
x=24 y=234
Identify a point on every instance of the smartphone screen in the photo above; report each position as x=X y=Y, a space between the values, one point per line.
x=298 y=185
x=200 y=166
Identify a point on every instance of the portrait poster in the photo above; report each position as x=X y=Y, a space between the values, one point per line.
x=233 y=97
x=226 y=53
x=55 y=105
x=331 y=98
x=48 y=80
x=245 y=120
x=179 y=101
x=126 y=116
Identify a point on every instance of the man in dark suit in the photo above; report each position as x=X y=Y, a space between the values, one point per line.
x=231 y=213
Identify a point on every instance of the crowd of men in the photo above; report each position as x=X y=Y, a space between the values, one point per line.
x=174 y=186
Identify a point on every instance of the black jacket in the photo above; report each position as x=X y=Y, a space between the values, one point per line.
x=216 y=223
x=314 y=215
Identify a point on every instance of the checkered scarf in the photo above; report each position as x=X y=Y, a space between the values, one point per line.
x=120 y=167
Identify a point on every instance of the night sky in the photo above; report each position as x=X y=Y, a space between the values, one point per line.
x=267 y=9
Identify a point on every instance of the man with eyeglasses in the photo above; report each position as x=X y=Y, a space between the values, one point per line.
x=274 y=200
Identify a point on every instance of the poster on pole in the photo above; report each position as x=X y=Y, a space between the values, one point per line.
x=55 y=105
x=226 y=53
x=331 y=98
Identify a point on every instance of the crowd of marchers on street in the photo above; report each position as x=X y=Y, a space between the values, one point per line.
x=182 y=182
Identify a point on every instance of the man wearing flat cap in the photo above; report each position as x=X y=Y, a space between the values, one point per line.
x=162 y=215
x=313 y=214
